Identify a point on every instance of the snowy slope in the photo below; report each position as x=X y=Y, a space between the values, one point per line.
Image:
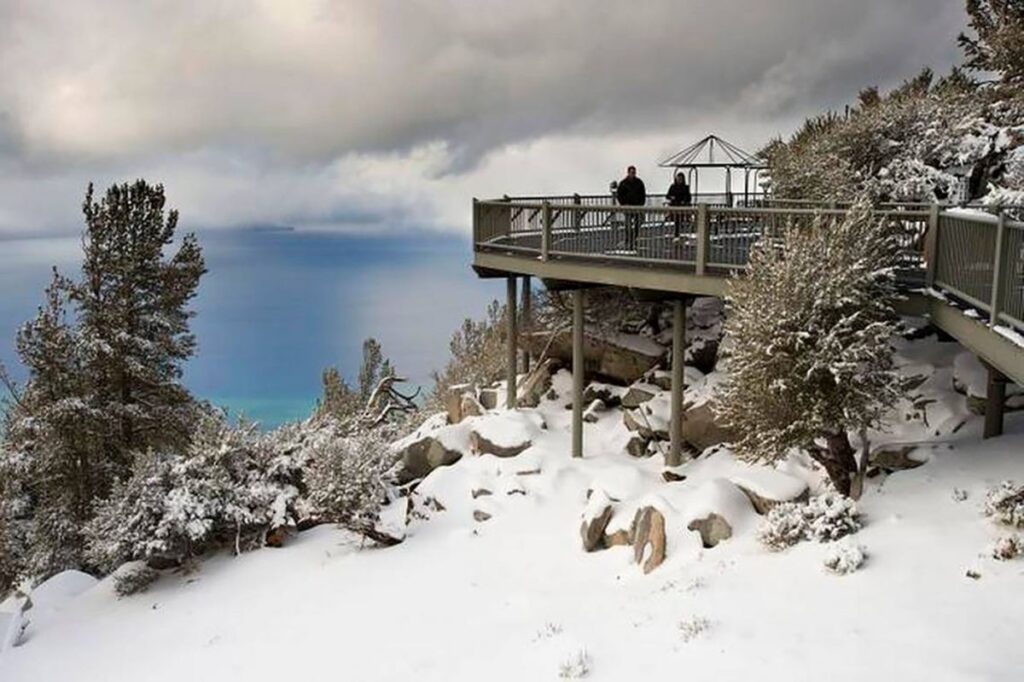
x=514 y=597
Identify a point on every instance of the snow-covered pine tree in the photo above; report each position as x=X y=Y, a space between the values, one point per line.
x=104 y=359
x=134 y=316
x=998 y=41
x=811 y=325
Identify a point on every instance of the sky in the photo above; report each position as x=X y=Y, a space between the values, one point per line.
x=385 y=117
x=359 y=131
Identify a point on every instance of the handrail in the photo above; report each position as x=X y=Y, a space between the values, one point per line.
x=978 y=260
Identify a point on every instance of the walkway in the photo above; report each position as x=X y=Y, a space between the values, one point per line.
x=963 y=269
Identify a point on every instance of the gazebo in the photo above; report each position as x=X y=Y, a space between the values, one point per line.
x=714 y=152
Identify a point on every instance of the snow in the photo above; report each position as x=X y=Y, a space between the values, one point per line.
x=514 y=597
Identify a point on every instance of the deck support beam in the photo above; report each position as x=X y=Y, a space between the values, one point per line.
x=512 y=333
x=577 y=372
x=526 y=322
x=995 y=403
x=675 y=451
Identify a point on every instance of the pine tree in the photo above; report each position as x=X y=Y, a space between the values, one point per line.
x=811 y=356
x=134 y=317
x=998 y=41
x=104 y=358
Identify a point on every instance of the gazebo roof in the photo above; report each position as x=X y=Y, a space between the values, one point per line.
x=713 y=152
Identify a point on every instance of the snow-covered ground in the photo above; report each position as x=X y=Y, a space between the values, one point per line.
x=509 y=593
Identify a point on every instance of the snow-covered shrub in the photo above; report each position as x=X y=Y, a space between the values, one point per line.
x=1005 y=504
x=844 y=558
x=133 y=579
x=693 y=628
x=576 y=666
x=1009 y=547
x=812 y=356
x=348 y=479
x=231 y=486
x=823 y=518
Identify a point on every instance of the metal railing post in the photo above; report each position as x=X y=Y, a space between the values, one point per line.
x=702 y=238
x=476 y=222
x=577 y=214
x=545 y=236
x=997 y=272
x=931 y=244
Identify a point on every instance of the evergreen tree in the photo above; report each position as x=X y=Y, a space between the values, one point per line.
x=811 y=356
x=104 y=358
x=998 y=41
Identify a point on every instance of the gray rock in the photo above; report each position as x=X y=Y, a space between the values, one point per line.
x=480 y=515
x=603 y=392
x=483 y=446
x=713 y=528
x=701 y=430
x=635 y=397
x=638 y=447
x=592 y=530
x=471 y=407
x=488 y=397
x=423 y=456
x=614 y=358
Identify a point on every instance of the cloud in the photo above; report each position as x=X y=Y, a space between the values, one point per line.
x=373 y=114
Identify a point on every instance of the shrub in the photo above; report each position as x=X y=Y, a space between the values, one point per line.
x=811 y=357
x=1005 y=504
x=134 y=579
x=844 y=558
x=823 y=518
x=232 y=485
x=348 y=480
x=1007 y=548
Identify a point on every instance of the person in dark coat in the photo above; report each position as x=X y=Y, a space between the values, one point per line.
x=632 y=192
x=678 y=194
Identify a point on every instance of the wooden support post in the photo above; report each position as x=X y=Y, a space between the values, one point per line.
x=512 y=332
x=577 y=373
x=997 y=273
x=931 y=244
x=995 y=403
x=526 y=319
x=675 y=452
x=702 y=238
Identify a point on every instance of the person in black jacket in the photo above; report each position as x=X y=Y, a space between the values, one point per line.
x=632 y=192
x=678 y=194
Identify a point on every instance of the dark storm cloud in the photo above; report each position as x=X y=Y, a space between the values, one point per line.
x=92 y=89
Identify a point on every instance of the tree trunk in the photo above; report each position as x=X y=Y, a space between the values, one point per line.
x=838 y=460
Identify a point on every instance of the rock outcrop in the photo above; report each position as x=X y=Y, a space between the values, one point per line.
x=424 y=455
x=623 y=358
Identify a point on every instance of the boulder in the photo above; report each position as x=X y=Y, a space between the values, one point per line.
x=623 y=358
x=766 y=488
x=482 y=446
x=536 y=384
x=611 y=396
x=453 y=403
x=672 y=477
x=421 y=457
x=713 y=528
x=700 y=429
x=649 y=538
x=893 y=459
x=470 y=406
x=638 y=447
x=643 y=425
x=592 y=529
x=489 y=398
x=637 y=396
x=661 y=379
x=480 y=516
x=590 y=415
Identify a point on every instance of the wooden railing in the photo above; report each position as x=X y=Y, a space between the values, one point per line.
x=976 y=258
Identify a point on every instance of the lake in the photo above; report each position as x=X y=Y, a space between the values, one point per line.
x=277 y=306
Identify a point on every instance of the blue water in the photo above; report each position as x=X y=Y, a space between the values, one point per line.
x=278 y=306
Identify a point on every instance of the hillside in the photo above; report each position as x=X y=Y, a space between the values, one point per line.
x=491 y=582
